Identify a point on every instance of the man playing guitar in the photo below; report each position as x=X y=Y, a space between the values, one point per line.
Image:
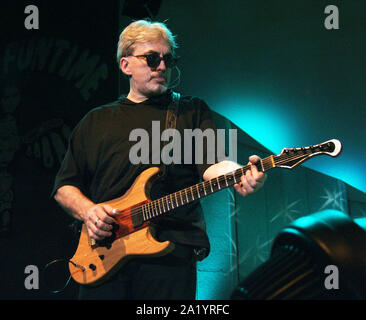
x=97 y=168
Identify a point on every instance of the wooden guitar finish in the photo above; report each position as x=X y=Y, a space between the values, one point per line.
x=94 y=262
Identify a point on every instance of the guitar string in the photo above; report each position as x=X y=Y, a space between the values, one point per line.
x=158 y=202
x=168 y=202
x=152 y=205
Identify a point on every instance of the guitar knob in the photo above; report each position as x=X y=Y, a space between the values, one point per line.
x=92 y=267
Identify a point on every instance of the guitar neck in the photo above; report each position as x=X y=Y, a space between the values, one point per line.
x=288 y=159
x=185 y=196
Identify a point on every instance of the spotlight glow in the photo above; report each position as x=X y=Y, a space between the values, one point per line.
x=262 y=121
x=272 y=126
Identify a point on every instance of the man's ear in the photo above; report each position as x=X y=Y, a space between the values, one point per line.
x=125 y=67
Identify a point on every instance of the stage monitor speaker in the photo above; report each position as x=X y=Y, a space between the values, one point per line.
x=317 y=257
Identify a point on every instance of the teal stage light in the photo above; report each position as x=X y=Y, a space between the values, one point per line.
x=268 y=124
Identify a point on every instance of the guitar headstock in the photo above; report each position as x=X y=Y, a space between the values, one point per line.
x=290 y=158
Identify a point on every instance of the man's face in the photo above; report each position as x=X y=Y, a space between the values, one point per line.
x=146 y=80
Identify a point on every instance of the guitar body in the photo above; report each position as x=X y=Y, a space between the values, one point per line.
x=94 y=262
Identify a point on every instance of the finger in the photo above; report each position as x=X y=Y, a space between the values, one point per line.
x=98 y=229
x=111 y=213
x=245 y=184
x=94 y=236
x=103 y=225
x=254 y=159
x=101 y=212
x=257 y=175
x=94 y=233
x=249 y=180
x=240 y=190
x=254 y=170
x=261 y=178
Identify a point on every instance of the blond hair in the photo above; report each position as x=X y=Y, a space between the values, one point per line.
x=143 y=31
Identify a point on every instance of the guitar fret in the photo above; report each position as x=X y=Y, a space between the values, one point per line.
x=148 y=211
x=204 y=189
x=211 y=186
x=218 y=183
x=176 y=199
x=156 y=208
x=166 y=202
x=158 y=204
x=171 y=201
x=198 y=192
x=153 y=209
x=143 y=212
x=272 y=161
x=235 y=177
x=261 y=161
x=181 y=196
x=191 y=188
x=162 y=206
x=162 y=202
x=186 y=195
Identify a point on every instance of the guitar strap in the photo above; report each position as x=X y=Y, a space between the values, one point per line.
x=171 y=122
x=199 y=253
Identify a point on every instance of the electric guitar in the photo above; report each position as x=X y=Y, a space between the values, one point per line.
x=95 y=261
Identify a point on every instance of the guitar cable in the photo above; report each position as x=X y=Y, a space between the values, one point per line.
x=67 y=281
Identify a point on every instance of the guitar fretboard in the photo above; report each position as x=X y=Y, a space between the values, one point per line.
x=289 y=158
x=180 y=198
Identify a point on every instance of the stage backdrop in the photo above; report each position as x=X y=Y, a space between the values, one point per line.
x=50 y=77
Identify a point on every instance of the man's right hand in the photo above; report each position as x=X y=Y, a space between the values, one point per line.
x=99 y=220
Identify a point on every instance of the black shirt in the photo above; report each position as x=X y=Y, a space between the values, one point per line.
x=98 y=159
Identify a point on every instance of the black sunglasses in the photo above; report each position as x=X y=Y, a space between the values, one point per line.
x=153 y=59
